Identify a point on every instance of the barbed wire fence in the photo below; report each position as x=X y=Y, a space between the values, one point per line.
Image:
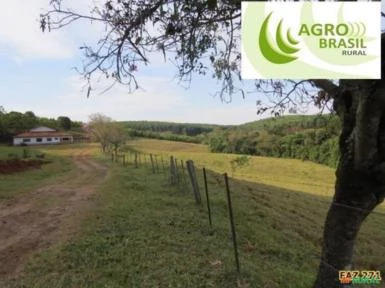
x=183 y=174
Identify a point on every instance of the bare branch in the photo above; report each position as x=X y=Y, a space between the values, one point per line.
x=198 y=37
x=326 y=85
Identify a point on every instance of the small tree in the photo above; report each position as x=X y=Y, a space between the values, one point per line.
x=99 y=126
x=64 y=122
x=194 y=31
x=117 y=136
x=107 y=132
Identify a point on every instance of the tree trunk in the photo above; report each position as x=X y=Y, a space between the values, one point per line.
x=360 y=183
x=352 y=203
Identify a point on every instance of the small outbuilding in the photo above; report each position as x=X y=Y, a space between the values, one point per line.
x=42 y=136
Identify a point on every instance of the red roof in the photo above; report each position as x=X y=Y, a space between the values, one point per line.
x=42 y=134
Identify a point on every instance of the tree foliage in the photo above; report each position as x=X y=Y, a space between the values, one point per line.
x=108 y=133
x=182 y=132
x=13 y=122
x=313 y=138
x=204 y=36
x=188 y=129
x=64 y=122
x=197 y=36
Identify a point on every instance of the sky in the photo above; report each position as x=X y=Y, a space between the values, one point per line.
x=36 y=74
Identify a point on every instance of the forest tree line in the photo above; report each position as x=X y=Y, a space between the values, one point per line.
x=313 y=138
x=181 y=132
x=306 y=137
x=13 y=122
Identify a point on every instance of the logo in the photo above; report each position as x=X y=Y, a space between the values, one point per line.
x=324 y=40
x=360 y=277
x=286 y=44
x=341 y=36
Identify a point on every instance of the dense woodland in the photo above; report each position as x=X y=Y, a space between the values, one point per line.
x=313 y=138
x=182 y=132
x=12 y=123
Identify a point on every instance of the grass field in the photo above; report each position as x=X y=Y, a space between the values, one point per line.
x=60 y=166
x=15 y=184
x=145 y=233
x=285 y=173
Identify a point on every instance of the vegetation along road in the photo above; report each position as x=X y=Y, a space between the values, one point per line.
x=90 y=222
x=47 y=215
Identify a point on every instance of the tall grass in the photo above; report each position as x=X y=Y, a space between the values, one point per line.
x=145 y=233
x=60 y=166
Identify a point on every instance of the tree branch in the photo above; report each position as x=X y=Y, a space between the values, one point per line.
x=327 y=85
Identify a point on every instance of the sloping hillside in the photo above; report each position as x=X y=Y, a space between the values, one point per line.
x=306 y=137
x=182 y=132
x=312 y=137
x=146 y=233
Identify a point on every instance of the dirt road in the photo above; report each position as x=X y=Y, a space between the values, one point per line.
x=47 y=216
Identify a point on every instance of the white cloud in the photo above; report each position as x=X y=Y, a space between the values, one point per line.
x=158 y=99
x=19 y=30
x=162 y=101
x=227 y=114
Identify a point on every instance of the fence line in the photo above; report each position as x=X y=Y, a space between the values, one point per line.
x=176 y=175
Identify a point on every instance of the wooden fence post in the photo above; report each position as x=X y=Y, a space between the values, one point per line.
x=131 y=157
x=156 y=164
x=152 y=164
x=194 y=182
x=232 y=225
x=176 y=170
x=136 y=160
x=163 y=167
x=172 y=171
x=183 y=172
x=207 y=197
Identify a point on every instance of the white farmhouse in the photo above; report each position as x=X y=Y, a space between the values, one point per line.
x=42 y=136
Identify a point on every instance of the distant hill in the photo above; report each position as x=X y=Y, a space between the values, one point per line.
x=184 y=132
x=290 y=120
x=307 y=137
